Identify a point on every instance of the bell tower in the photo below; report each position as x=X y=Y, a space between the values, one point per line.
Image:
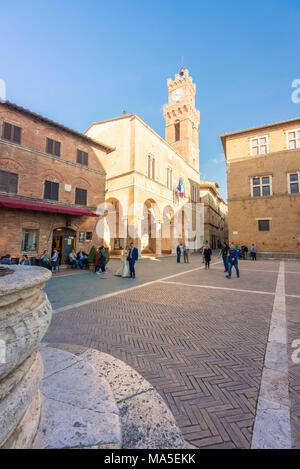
x=182 y=118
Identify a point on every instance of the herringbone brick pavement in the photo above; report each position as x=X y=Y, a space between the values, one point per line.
x=202 y=349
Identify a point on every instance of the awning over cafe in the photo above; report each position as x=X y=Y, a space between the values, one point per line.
x=21 y=204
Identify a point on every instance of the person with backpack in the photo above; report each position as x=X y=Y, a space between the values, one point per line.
x=233 y=261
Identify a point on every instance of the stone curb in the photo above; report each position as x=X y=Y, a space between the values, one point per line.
x=146 y=421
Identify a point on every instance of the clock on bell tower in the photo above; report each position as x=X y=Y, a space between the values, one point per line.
x=182 y=118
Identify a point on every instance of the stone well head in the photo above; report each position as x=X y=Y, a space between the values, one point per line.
x=25 y=315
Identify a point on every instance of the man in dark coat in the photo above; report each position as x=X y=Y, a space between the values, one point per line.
x=132 y=257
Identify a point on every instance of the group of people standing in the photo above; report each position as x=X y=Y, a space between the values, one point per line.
x=129 y=258
x=182 y=250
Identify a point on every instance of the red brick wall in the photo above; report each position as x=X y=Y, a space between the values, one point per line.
x=32 y=164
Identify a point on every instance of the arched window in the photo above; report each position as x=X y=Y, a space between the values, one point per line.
x=151 y=166
x=177 y=131
x=169 y=177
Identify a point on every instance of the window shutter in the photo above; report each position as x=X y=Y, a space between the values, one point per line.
x=7 y=130
x=79 y=160
x=13 y=183
x=80 y=196
x=16 y=134
x=54 y=190
x=56 y=148
x=47 y=190
x=49 y=146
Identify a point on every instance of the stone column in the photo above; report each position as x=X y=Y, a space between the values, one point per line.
x=25 y=315
x=158 y=237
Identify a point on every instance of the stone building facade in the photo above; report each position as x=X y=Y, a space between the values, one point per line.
x=263 y=171
x=215 y=214
x=152 y=185
x=51 y=182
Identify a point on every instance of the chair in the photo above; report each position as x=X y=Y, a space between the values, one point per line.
x=15 y=260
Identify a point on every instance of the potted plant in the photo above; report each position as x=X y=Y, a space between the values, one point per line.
x=92 y=258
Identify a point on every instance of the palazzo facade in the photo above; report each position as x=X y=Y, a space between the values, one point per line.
x=152 y=184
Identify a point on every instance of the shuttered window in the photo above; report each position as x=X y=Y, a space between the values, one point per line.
x=82 y=157
x=263 y=225
x=80 y=196
x=52 y=147
x=8 y=182
x=51 y=190
x=11 y=132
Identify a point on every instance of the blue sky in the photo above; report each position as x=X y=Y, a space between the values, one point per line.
x=82 y=61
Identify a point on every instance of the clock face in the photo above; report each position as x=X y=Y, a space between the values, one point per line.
x=177 y=94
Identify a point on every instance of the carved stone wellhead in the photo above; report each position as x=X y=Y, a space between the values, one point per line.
x=25 y=315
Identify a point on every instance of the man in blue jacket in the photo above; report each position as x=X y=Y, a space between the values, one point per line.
x=233 y=256
x=132 y=257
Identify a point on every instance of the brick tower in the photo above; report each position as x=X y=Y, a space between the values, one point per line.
x=182 y=118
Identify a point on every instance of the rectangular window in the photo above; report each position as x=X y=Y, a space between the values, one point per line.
x=151 y=166
x=261 y=186
x=11 y=132
x=82 y=157
x=293 y=180
x=263 y=225
x=51 y=190
x=8 y=182
x=52 y=147
x=80 y=196
x=177 y=131
x=293 y=139
x=259 y=145
x=169 y=178
x=89 y=235
x=29 y=241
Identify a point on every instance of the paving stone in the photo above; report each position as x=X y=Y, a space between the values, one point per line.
x=272 y=427
x=67 y=426
x=161 y=430
x=124 y=381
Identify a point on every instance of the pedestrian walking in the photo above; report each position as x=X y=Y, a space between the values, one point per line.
x=54 y=260
x=202 y=249
x=253 y=252
x=207 y=256
x=224 y=253
x=186 y=254
x=233 y=261
x=178 y=252
x=102 y=258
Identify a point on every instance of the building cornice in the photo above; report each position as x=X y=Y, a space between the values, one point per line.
x=52 y=157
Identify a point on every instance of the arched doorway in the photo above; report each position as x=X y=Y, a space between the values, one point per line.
x=64 y=240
